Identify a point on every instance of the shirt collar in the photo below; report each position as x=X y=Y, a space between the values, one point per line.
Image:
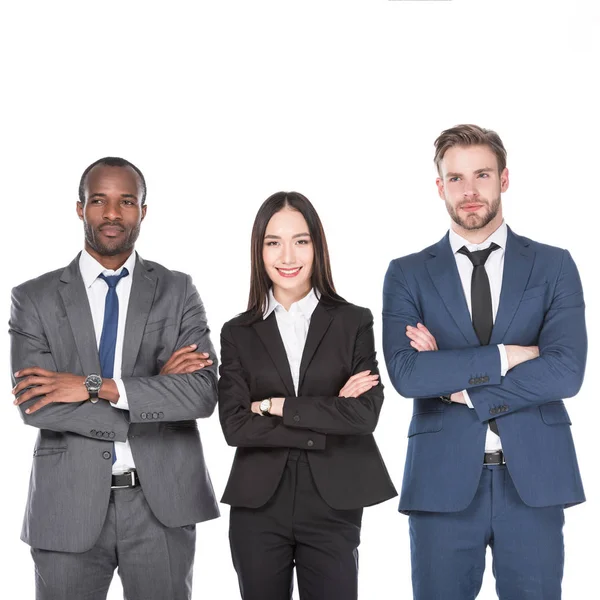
x=90 y=268
x=306 y=305
x=498 y=237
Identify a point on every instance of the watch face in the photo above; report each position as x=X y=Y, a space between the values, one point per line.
x=93 y=383
x=265 y=405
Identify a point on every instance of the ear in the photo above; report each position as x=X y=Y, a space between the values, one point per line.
x=504 y=180
x=144 y=207
x=80 y=210
x=440 y=186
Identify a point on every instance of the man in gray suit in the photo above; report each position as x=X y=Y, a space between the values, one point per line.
x=112 y=362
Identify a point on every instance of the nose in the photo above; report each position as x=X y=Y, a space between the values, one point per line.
x=112 y=211
x=288 y=256
x=470 y=191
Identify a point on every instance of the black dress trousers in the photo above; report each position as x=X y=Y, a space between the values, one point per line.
x=296 y=528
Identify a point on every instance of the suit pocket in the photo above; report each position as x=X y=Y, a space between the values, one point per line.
x=158 y=325
x=534 y=292
x=555 y=413
x=47 y=451
x=427 y=422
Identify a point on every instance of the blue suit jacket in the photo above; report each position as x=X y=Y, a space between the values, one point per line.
x=541 y=303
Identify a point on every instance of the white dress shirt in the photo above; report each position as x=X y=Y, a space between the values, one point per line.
x=293 y=328
x=97 y=289
x=494 y=267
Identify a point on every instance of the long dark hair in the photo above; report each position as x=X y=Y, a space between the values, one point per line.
x=260 y=283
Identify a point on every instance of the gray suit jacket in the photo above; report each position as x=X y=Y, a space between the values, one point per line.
x=51 y=327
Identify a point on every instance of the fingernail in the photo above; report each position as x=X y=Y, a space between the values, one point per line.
x=27 y=411
x=210 y=362
x=193 y=345
x=15 y=401
x=17 y=373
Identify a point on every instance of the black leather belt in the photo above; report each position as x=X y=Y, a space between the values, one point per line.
x=128 y=479
x=494 y=458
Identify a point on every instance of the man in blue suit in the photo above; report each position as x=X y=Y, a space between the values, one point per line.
x=486 y=331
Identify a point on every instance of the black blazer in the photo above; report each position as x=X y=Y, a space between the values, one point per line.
x=336 y=432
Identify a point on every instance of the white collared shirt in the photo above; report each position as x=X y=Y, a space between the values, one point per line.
x=96 y=290
x=494 y=267
x=293 y=328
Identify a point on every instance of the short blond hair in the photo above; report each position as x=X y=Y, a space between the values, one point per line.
x=469 y=135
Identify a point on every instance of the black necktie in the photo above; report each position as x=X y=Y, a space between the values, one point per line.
x=481 y=300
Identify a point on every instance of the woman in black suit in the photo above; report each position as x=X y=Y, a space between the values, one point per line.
x=299 y=396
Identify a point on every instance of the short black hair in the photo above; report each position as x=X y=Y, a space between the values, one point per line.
x=111 y=161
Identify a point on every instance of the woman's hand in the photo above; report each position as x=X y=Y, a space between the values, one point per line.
x=359 y=384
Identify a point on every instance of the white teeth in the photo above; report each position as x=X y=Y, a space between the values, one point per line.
x=289 y=271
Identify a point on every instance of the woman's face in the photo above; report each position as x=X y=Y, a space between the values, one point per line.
x=288 y=253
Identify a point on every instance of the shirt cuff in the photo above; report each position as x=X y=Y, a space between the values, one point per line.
x=467 y=399
x=503 y=360
x=122 y=401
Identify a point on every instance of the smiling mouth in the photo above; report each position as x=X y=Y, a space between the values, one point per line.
x=288 y=272
x=111 y=231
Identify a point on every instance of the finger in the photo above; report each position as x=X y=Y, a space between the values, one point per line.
x=189 y=367
x=32 y=393
x=184 y=350
x=33 y=371
x=416 y=334
x=39 y=404
x=357 y=375
x=423 y=343
x=419 y=347
x=359 y=388
x=28 y=382
x=182 y=361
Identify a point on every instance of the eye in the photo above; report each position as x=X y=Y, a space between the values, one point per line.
x=486 y=175
x=304 y=242
x=128 y=202
x=95 y=201
x=453 y=179
x=271 y=243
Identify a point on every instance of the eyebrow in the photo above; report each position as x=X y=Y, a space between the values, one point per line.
x=483 y=170
x=122 y=195
x=277 y=237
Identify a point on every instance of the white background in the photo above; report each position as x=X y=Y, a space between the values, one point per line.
x=223 y=103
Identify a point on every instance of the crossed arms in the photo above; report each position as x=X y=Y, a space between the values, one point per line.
x=555 y=374
x=49 y=399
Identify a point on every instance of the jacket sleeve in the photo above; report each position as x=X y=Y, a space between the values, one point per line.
x=336 y=415
x=421 y=374
x=29 y=347
x=242 y=427
x=558 y=372
x=179 y=397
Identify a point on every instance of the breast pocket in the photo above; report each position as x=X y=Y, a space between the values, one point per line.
x=534 y=292
x=427 y=422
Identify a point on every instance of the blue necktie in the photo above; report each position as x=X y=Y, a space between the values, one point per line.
x=108 y=339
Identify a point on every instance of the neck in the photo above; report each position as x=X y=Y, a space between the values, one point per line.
x=478 y=236
x=287 y=297
x=109 y=262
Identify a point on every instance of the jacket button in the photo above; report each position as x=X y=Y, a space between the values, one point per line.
x=493 y=411
x=143 y=415
x=296 y=418
x=105 y=434
x=485 y=379
x=155 y=415
x=111 y=434
x=310 y=443
x=504 y=408
x=93 y=432
x=98 y=434
x=106 y=454
x=471 y=381
x=161 y=415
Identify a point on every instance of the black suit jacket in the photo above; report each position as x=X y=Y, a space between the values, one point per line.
x=336 y=432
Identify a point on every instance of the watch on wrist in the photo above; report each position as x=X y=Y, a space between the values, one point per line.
x=93 y=383
x=265 y=406
x=446 y=399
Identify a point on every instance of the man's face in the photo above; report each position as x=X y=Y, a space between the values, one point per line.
x=470 y=185
x=112 y=212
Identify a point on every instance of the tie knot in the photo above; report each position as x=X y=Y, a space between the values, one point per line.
x=112 y=280
x=479 y=257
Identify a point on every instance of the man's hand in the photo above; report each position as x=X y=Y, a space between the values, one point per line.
x=53 y=386
x=186 y=360
x=359 y=384
x=421 y=338
x=520 y=354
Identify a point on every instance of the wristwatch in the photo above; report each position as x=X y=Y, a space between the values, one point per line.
x=93 y=383
x=265 y=407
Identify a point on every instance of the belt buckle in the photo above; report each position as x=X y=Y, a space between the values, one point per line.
x=501 y=460
x=132 y=484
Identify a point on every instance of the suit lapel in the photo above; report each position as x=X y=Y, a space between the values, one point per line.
x=77 y=307
x=518 y=262
x=141 y=298
x=319 y=324
x=268 y=332
x=444 y=274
